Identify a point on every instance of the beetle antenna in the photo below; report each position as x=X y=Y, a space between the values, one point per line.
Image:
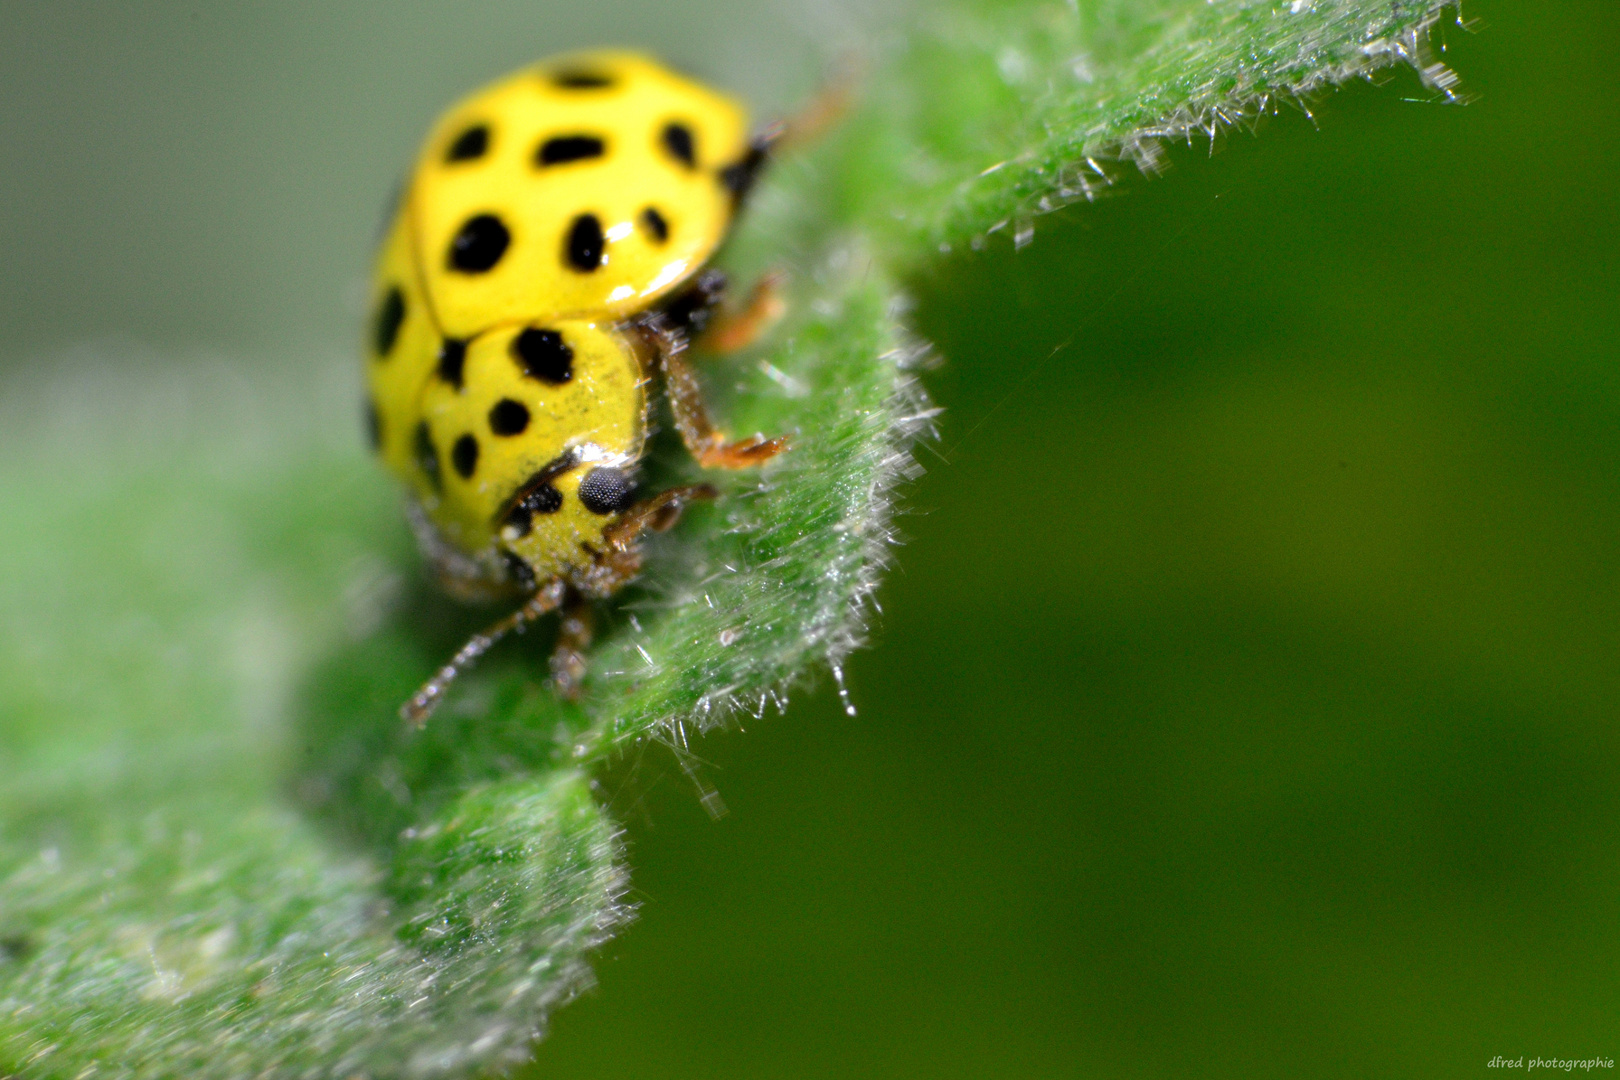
x=421 y=705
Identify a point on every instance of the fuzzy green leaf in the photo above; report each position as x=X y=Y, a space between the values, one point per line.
x=220 y=852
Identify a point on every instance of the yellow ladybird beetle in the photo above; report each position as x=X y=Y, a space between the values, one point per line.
x=547 y=258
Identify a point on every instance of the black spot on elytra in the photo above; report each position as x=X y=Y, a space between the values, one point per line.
x=427 y=456
x=479 y=244
x=581 y=79
x=565 y=148
x=654 y=223
x=509 y=417
x=544 y=355
x=469 y=145
x=385 y=326
x=678 y=140
x=452 y=359
x=606 y=490
x=586 y=245
x=464 y=456
x=373 y=425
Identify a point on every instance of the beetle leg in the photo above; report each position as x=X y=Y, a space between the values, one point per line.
x=690 y=310
x=824 y=110
x=656 y=514
x=731 y=330
x=703 y=441
x=830 y=105
x=613 y=567
x=575 y=630
x=739 y=177
x=700 y=311
x=424 y=701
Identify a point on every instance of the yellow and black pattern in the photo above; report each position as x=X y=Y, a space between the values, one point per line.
x=511 y=430
x=588 y=186
x=542 y=211
x=402 y=346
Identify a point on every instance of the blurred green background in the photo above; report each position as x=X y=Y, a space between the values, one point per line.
x=1246 y=699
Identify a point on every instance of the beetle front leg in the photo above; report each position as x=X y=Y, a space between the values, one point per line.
x=703 y=440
